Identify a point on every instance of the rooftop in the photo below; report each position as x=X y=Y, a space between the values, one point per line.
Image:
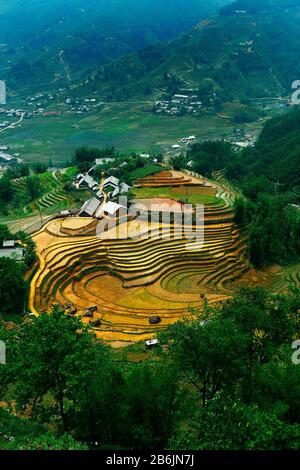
x=90 y=206
x=112 y=207
x=8 y=244
x=88 y=180
x=13 y=253
x=6 y=157
x=111 y=180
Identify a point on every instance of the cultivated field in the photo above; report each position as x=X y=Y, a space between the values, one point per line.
x=132 y=279
x=124 y=124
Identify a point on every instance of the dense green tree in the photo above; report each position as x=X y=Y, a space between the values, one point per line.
x=148 y=407
x=207 y=351
x=89 y=154
x=273 y=231
x=227 y=425
x=50 y=442
x=34 y=188
x=29 y=246
x=278 y=381
x=39 y=168
x=25 y=434
x=5 y=234
x=242 y=211
x=210 y=156
x=178 y=162
x=18 y=171
x=94 y=387
x=6 y=191
x=265 y=323
x=12 y=286
x=63 y=356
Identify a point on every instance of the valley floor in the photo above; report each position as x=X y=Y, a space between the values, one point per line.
x=125 y=124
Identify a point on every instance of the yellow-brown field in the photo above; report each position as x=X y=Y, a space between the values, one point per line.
x=131 y=279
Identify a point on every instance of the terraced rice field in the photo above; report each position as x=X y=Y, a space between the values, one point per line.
x=131 y=279
x=54 y=198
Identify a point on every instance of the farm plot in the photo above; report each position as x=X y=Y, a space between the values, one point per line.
x=131 y=279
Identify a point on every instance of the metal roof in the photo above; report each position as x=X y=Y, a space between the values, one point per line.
x=13 y=253
x=111 y=180
x=111 y=208
x=8 y=244
x=90 y=206
x=89 y=181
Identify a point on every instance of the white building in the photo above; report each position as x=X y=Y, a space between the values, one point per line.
x=9 y=250
x=102 y=161
x=2 y=92
x=112 y=209
x=152 y=342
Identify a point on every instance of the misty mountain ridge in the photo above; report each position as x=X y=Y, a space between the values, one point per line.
x=89 y=33
x=250 y=49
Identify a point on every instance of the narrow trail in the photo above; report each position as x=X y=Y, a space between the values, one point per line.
x=65 y=65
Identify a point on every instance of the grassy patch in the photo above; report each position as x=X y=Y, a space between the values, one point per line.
x=147 y=170
x=153 y=193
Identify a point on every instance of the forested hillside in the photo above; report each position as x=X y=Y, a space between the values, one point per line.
x=89 y=32
x=249 y=49
x=276 y=154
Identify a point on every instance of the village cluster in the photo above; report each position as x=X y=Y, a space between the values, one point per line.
x=8 y=113
x=179 y=104
x=84 y=105
x=102 y=203
x=40 y=102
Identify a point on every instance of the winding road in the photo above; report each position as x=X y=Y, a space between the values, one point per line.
x=13 y=124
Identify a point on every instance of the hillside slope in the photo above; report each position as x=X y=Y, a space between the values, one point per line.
x=276 y=154
x=249 y=48
x=84 y=34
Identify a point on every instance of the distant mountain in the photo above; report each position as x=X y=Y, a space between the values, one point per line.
x=62 y=39
x=255 y=6
x=250 y=49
